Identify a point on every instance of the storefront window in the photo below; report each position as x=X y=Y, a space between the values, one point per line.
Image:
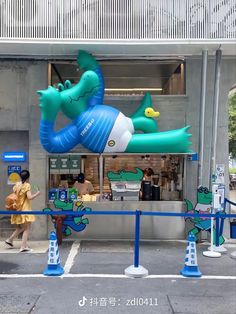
x=130 y=77
x=166 y=178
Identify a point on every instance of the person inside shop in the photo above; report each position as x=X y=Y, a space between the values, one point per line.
x=147 y=174
x=146 y=188
x=83 y=186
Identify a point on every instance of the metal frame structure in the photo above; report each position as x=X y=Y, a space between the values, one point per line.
x=118 y=19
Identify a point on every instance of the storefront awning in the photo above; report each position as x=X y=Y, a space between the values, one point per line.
x=68 y=48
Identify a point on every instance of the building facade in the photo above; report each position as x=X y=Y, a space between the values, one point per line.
x=36 y=33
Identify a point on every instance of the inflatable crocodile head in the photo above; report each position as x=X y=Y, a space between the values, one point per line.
x=71 y=100
x=50 y=103
x=75 y=99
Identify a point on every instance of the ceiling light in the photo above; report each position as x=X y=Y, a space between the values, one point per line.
x=133 y=89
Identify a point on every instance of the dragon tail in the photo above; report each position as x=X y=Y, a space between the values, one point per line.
x=174 y=141
x=87 y=62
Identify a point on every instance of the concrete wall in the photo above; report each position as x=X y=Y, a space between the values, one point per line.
x=193 y=85
x=19 y=111
x=10 y=141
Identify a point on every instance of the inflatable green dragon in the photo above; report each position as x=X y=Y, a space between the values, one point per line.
x=98 y=127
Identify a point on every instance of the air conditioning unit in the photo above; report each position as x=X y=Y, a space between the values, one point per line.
x=29 y=18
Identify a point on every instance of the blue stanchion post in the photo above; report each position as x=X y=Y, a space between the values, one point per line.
x=219 y=226
x=136 y=270
x=217 y=235
x=137 y=237
x=222 y=226
x=222 y=220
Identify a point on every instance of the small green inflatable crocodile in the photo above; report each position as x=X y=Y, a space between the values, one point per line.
x=123 y=175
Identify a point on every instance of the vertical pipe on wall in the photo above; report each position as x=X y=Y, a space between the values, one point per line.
x=202 y=116
x=215 y=110
x=49 y=74
x=101 y=176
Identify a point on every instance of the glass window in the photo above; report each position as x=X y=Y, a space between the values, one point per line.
x=130 y=77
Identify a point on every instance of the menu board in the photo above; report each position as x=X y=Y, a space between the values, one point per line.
x=74 y=162
x=54 y=163
x=64 y=164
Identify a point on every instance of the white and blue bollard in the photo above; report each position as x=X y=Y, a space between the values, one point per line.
x=191 y=267
x=54 y=268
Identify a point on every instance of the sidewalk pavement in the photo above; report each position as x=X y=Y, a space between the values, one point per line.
x=112 y=257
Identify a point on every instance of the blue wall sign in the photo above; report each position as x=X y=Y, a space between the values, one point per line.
x=13 y=169
x=193 y=157
x=14 y=156
x=13 y=174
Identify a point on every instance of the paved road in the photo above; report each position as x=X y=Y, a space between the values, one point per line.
x=94 y=281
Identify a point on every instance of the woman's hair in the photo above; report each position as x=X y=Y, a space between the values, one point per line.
x=24 y=175
x=148 y=172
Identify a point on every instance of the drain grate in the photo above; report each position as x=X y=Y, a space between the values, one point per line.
x=105 y=247
x=17 y=304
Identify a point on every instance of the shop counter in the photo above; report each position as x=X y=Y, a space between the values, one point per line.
x=122 y=226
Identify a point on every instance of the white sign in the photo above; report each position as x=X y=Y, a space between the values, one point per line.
x=220 y=174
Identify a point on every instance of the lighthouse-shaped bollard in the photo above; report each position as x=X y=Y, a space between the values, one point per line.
x=54 y=268
x=191 y=267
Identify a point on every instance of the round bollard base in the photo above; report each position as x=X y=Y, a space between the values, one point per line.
x=233 y=255
x=136 y=272
x=220 y=249
x=212 y=254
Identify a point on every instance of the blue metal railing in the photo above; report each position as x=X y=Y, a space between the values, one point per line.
x=112 y=212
